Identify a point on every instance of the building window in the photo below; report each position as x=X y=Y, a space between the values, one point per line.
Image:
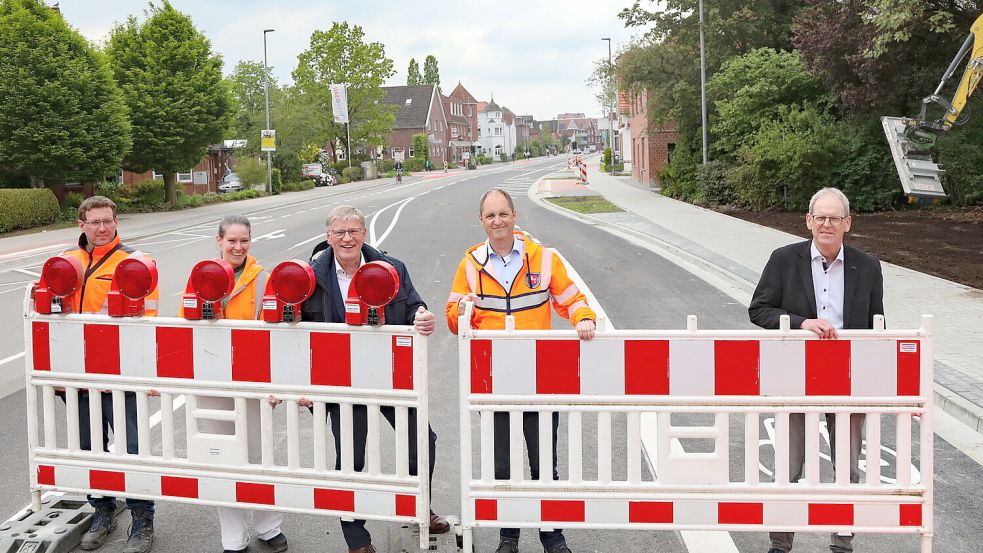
x=409 y=101
x=498 y=131
x=185 y=177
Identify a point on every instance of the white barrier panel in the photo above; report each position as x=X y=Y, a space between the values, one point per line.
x=223 y=372
x=646 y=380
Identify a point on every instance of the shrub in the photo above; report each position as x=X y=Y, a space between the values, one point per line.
x=607 y=156
x=73 y=200
x=194 y=200
x=352 y=173
x=276 y=180
x=211 y=197
x=111 y=190
x=712 y=185
x=384 y=165
x=146 y=194
x=27 y=207
x=452 y=165
x=298 y=186
x=251 y=171
x=240 y=195
x=482 y=159
x=412 y=164
x=421 y=148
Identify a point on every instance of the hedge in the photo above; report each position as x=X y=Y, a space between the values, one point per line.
x=27 y=207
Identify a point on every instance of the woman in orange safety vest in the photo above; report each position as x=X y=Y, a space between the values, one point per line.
x=245 y=302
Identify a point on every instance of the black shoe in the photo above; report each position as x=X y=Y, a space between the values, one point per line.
x=776 y=550
x=141 y=532
x=507 y=546
x=562 y=548
x=235 y=550
x=277 y=544
x=103 y=523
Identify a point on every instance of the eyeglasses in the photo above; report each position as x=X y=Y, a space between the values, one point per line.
x=102 y=223
x=340 y=233
x=822 y=219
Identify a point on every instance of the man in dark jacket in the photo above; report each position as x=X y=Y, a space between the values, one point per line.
x=823 y=286
x=335 y=262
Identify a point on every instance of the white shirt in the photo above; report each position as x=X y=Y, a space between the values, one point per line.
x=345 y=281
x=507 y=268
x=827 y=280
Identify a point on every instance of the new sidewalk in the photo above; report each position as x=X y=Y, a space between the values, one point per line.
x=732 y=253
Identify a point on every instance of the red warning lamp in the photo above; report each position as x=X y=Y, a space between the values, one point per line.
x=374 y=285
x=134 y=279
x=290 y=283
x=211 y=281
x=61 y=276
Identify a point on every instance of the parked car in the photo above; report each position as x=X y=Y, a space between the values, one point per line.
x=229 y=183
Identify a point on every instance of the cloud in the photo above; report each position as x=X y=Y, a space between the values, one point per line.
x=534 y=56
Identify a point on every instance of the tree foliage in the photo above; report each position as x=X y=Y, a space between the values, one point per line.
x=796 y=90
x=431 y=74
x=249 y=101
x=421 y=148
x=172 y=83
x=341 y=55
x=62 y=118
x=413 y=76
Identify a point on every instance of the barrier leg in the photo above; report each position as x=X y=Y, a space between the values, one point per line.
x=36 y=501
x=469 y=541
x=926 y=543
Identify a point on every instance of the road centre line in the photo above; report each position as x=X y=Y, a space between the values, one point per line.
x=28 y=273
x=392 y=224
x=13 y=357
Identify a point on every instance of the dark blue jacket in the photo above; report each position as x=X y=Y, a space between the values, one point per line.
x=326 y=304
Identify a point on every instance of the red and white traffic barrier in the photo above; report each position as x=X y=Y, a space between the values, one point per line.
x=646 y=377
x=184 y=361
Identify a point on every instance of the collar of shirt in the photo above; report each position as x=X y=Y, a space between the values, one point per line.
x=816 y=255
x=518 y=248
x=344 y=281
x=505 y=269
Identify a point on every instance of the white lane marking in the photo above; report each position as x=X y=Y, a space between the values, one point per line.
x=13 y=357
x=392 y=224
x=190 y=235
x=273 y=235
x=29 y=273
x=373 y=241
x=308 y=241
x=156 y=417
x=15 y=289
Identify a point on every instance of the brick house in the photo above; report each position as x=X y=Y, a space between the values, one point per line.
x=419 y=110
x=651 y=146
x=216 y=163
x=469 y=109
x=459 y=137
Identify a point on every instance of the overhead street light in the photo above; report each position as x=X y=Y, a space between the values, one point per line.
x=266 y=92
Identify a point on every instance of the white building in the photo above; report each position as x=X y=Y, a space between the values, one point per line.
x=496 y=129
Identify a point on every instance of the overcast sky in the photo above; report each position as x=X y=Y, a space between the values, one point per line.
x=535 y=56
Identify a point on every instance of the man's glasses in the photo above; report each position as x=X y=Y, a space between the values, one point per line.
x=101 y=223
x=340 y=233
x=823 y=219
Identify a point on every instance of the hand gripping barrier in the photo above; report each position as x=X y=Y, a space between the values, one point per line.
x=221 y=370
x=647 y=381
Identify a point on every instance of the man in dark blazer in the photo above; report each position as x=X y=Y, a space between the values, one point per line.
x=823 y=286
x=334 y=262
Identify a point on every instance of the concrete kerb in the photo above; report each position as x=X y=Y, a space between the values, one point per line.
x=739 y=288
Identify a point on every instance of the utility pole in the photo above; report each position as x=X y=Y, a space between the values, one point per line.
x=703 y=88
x=266 y=91
x=610 y=111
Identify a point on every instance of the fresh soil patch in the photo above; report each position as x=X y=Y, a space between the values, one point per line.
x=947 y=243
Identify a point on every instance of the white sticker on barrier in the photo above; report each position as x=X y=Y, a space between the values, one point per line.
x=778 y=363
x=300 y=497
x=606 y=512
x=874 y=368
x=596 y=359
x=138 y=351
x=785 y=513
x=65 y=336
x=695 y=512
x=293 y=352
x=213 y=354
x=372 y=361
x=696 y=358
x=514 y=367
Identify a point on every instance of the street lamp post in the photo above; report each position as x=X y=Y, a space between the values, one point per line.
x=266 y=92
x=610 y=112
x=703 y=88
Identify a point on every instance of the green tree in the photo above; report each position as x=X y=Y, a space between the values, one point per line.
x=172 y=83
x=421 y=148
x=62 y=118
x=341 y=55
x=431 y=75
x=249 y=101
x=413 y=76
x=751 y=89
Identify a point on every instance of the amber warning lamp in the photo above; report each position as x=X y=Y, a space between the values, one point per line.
x=290 y=283
x=211 y=281
x=374 y=285
x=61 y=276
x=134 y=279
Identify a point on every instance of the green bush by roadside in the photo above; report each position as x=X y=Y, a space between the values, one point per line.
x=352 y=173
x=276 y=180
x=298 y=185
x=27 y=207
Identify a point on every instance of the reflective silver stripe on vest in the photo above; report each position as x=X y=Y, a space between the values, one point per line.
x=520 y=303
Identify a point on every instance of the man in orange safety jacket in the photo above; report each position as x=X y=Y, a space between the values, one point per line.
x=100 y=251
x=512 y=274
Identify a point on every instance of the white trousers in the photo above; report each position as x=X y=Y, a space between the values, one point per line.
x=233 y=520
x=235 y=526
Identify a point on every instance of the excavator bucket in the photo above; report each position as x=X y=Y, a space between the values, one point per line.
x=920 y=176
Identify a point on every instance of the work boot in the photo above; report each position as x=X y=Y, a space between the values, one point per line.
x=562 y=548
x=103 y=522
x=507 y=546
x=141 y=532
x=438 y=524
x=277 y=544
x=367 y=549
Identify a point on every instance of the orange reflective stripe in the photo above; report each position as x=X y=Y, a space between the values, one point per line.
x=568 y=294
x=545 y=269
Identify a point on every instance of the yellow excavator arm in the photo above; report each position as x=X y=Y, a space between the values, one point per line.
x=912 y=139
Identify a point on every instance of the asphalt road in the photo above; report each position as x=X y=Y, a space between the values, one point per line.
x=437 y=221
